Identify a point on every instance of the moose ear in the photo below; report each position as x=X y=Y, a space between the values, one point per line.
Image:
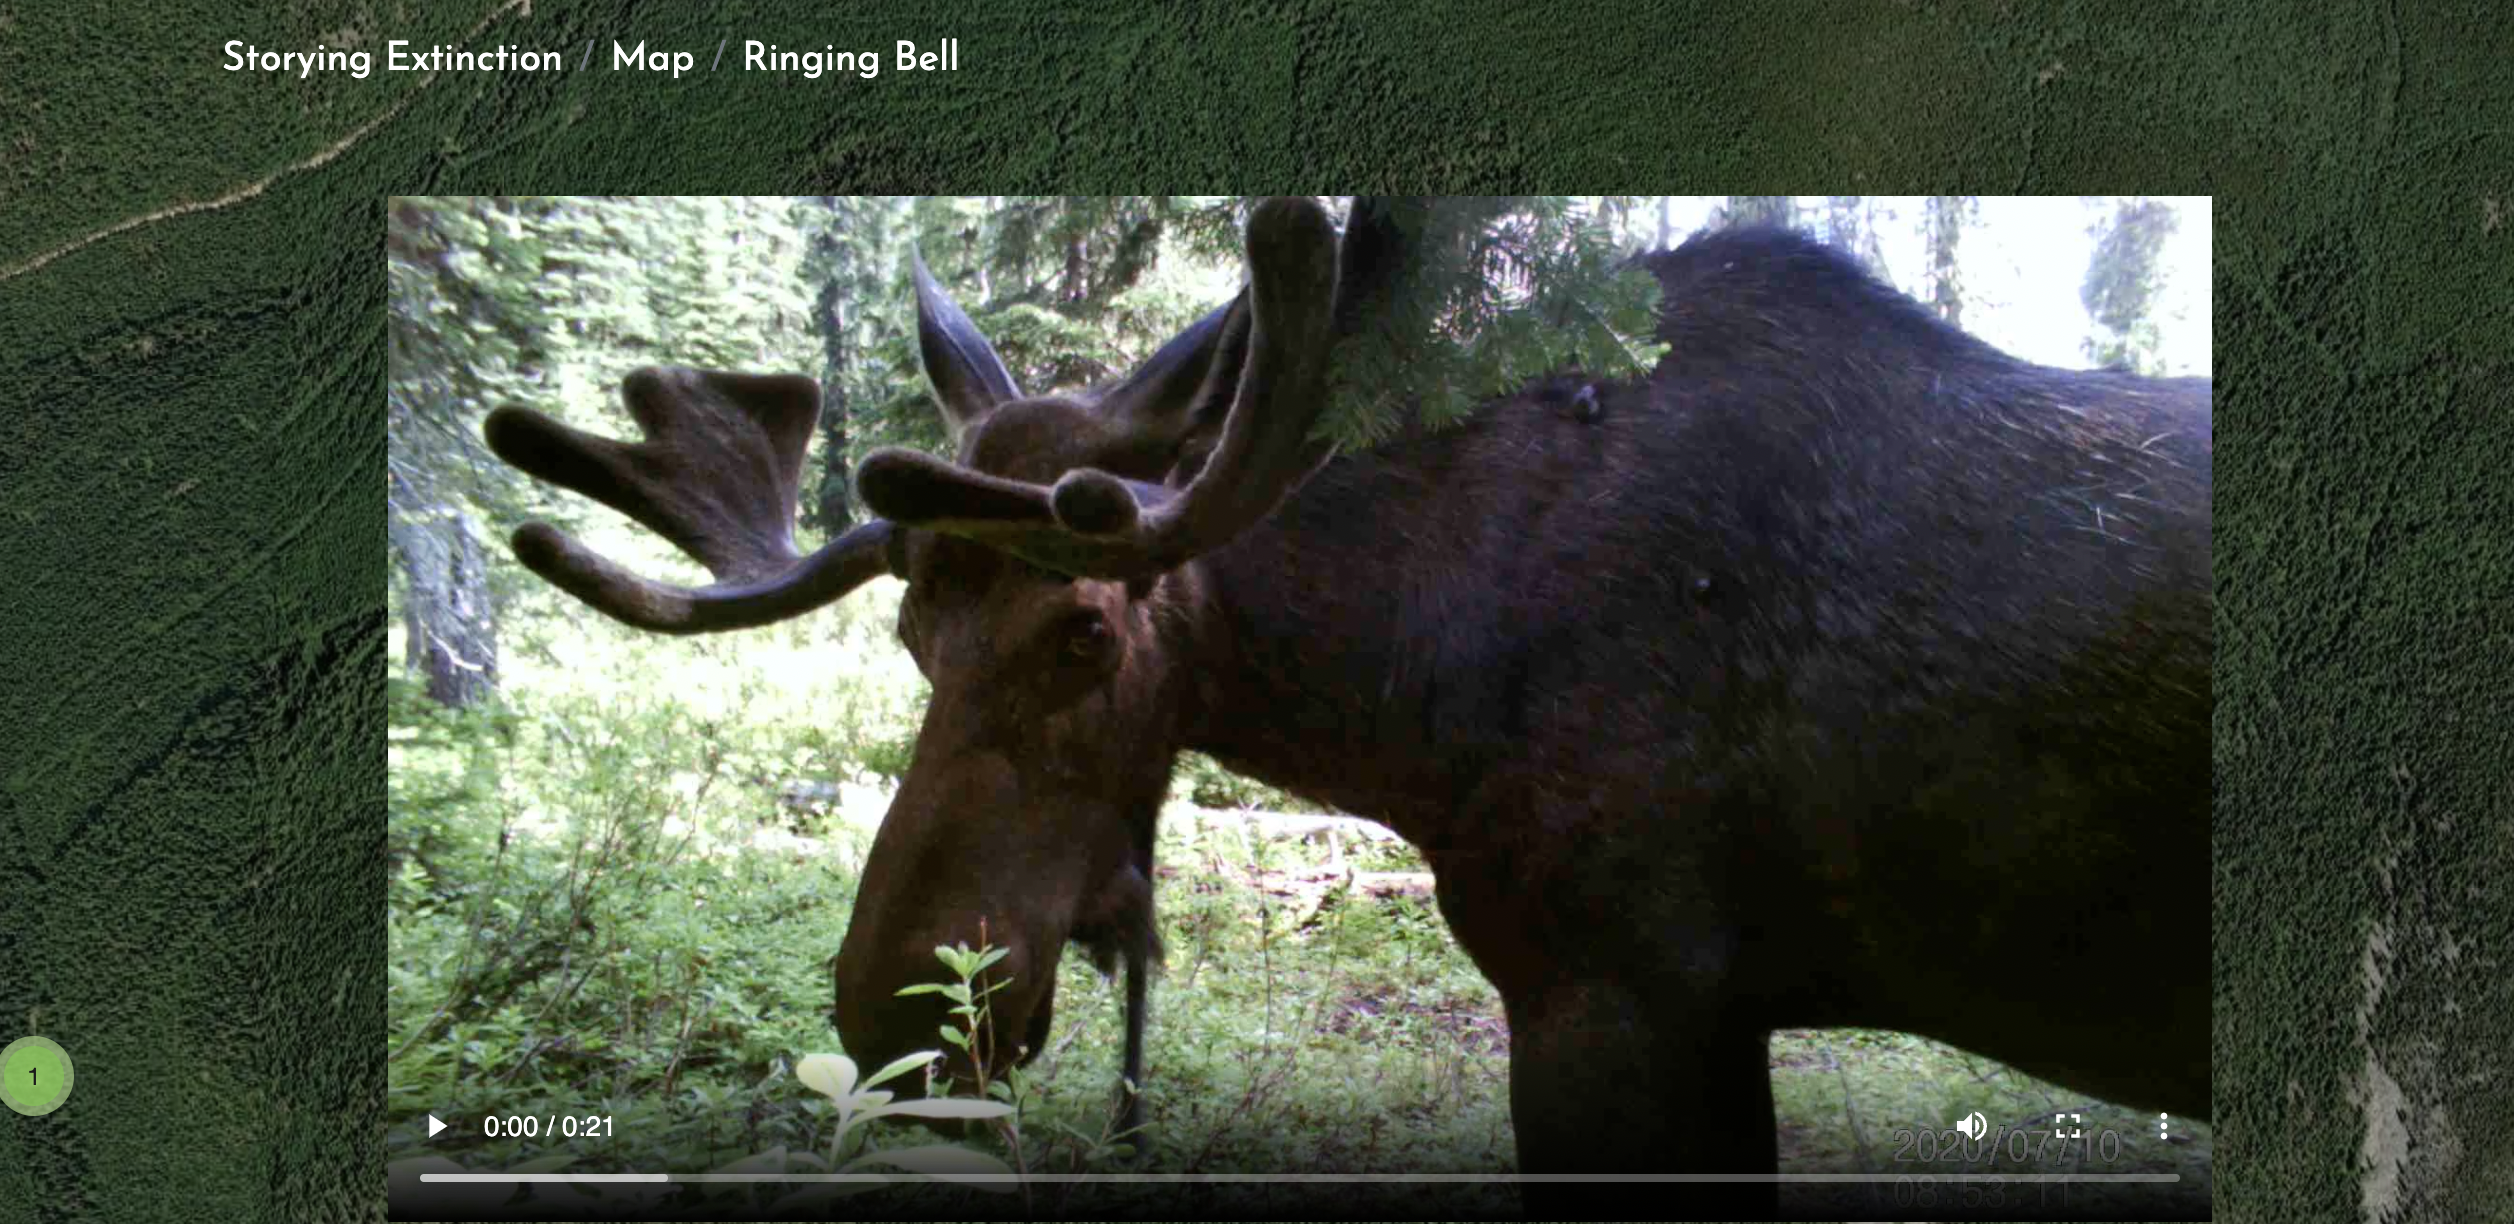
x=1197 y=370
x=969 y=379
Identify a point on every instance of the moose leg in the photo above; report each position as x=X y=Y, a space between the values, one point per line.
x=1603 y=1082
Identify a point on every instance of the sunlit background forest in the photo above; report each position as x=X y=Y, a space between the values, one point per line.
x=623 y=862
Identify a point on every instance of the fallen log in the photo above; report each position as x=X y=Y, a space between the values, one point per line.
x=1307 y=826
x=1375 y=885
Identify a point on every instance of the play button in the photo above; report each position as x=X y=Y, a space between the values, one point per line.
x=434 y=1126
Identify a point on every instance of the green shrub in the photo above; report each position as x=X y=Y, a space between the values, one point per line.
x=1204 y=782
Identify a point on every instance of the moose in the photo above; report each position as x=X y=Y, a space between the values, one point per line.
x=1843 y=670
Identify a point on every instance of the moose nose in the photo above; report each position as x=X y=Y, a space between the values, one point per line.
x=874 y=1024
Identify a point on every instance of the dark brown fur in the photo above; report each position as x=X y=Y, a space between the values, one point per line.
x=1842 y=671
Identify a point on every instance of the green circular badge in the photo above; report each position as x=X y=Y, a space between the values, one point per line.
x=34 y=1075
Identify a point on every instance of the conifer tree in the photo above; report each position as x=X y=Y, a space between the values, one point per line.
x=2123 y=280
x=1943 y=219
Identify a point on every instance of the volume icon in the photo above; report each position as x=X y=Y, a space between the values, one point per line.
x=1973 y=1125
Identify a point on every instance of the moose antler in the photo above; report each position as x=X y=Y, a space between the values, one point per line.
x=1094 y=524
x=717 y=476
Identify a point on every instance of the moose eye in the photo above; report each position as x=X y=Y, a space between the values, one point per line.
x=1087 y=635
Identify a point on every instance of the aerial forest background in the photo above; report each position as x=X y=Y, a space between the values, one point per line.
x=622 y=862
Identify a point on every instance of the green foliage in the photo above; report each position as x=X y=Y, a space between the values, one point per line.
x=1206 y=783
x=1757 y=210
x=834 y=1076
x=608 y=920
x=1491 y=291
x=889 y=756
x=596 y=907
x=852 y=247
x=451 y=755
x=548 y=302
x=1071 y=290
x=1850 y=224
x=1868 y=1100
x=968 y=1000
x=595 y=912
x=2123 y=279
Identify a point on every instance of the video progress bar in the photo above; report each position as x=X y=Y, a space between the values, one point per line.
x=1196 y=1178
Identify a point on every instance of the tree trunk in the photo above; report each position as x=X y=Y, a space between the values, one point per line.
x=836 y=514
x=1134 y=256
x=1944 y=220
x=1850 y=226
x=446 y=610
x=1071 y=292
